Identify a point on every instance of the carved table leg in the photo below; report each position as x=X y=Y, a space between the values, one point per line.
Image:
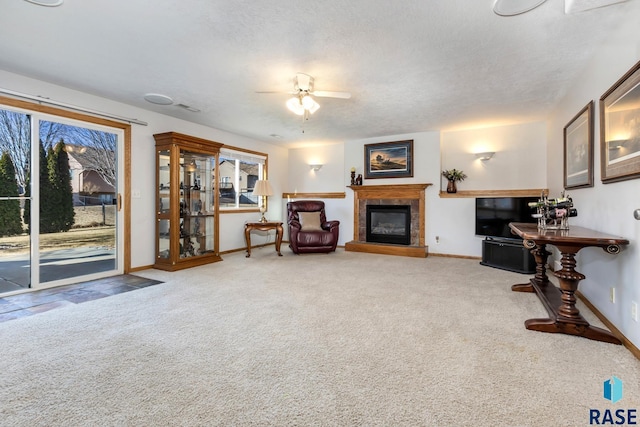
x=569 y=279
x=564 y=315
x=279 y=232
x=247 y=239
x=541 y=255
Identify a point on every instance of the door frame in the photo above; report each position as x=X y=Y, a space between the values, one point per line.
x=126 y=188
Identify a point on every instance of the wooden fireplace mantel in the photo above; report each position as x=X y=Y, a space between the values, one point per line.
x=389 y=192
x=401 y=191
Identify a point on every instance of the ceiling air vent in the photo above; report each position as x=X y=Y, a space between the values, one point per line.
x=188 y=108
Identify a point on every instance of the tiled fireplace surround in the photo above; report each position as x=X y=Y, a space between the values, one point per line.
x=408 y=194
x=415 y=217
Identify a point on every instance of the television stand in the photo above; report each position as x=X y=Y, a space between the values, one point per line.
x=507 y=254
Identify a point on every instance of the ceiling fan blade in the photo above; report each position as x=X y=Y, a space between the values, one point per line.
x=290 y=92
x=330 y=94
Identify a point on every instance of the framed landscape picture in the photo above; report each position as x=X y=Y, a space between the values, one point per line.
x=388 y=160
x=578 y=149
x=620 y=129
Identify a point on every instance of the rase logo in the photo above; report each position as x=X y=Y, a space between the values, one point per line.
x=612 y=391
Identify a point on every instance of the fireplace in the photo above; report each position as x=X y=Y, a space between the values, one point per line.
x=389 y=224
x=412 y=195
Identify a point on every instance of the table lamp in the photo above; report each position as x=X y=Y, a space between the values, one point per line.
x=263 y=189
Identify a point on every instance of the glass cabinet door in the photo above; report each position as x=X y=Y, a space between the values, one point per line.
x=164 y=205
x=197 y=201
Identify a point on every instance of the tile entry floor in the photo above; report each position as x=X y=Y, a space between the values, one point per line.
x=30 y=303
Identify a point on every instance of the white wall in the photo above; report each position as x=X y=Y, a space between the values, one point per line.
x=519 y=163
x=607 y=208
x=143 y=163
x=520 y=156
x=329 y=179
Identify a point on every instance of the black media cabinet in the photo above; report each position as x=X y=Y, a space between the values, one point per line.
x=507 y=254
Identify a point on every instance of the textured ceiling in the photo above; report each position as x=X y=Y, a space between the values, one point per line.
x=411 y=66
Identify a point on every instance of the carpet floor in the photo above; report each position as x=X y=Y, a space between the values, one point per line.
x=344 y=339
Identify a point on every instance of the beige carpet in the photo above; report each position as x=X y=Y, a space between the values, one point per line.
x=345 y=339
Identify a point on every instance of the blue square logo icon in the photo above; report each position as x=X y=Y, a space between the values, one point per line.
x=613 y=389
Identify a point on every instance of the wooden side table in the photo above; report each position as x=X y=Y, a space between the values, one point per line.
x=560 y=304
x=263 y=226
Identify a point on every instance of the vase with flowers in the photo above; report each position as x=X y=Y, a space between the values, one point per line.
x=453 y=176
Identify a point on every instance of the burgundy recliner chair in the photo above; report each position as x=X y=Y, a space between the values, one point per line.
x=309 y=230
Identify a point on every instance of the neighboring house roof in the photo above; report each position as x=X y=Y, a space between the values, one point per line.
x=86 y=156
x=83 y=159
x=247 y=168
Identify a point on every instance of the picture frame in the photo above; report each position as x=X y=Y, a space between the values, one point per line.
x=620 y=129
x=388 y=160
x=578 y=149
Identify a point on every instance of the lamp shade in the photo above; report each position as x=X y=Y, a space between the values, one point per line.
x=314 y=106
x=262 y=188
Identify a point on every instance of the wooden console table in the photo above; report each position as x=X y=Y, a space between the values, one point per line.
x=263 y=226
x=560 y=304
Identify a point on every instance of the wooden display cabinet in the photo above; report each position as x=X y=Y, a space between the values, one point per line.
x=187 y=201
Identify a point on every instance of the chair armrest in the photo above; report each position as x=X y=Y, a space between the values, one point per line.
x=295 y=224
x=329 y=225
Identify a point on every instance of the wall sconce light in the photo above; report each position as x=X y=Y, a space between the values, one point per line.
x=316 y=167
x=485 y=156
x=617 y=144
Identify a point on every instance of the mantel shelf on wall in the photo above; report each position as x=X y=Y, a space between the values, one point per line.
x=532 y=192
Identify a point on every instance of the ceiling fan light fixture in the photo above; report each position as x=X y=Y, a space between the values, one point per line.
x=307 y=102
x=295 y=106
x=315 y=107
x=310 y=104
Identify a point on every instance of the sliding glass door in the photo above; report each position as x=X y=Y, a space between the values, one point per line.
x=60 y=199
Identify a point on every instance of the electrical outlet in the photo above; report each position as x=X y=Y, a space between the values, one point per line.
x=612 y=295
x=437 y=240
x=634 y=310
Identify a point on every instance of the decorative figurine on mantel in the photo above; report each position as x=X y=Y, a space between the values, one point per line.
x=359 y=179
x=553 y=214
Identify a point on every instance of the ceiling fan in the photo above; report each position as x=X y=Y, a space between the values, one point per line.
x=302 y=102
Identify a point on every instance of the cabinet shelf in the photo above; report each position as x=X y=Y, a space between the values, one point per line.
x=187 y=201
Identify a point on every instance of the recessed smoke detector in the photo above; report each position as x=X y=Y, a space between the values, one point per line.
x=49 y=3
x=159 y=99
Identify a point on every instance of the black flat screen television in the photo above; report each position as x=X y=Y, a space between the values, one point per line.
x=493 y=215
